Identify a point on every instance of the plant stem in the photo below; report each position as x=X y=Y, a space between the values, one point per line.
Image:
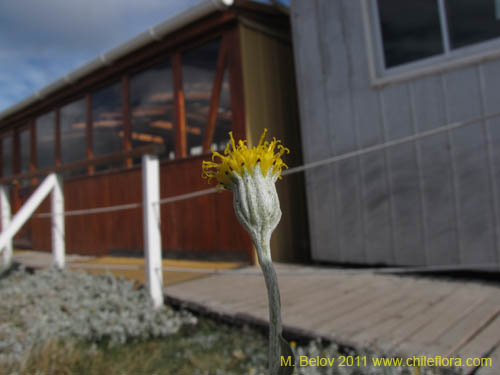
x=273 y=295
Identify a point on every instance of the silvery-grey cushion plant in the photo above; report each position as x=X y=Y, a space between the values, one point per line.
x=72 y=306
x=58 y=304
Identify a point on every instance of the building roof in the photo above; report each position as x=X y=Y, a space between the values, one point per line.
x=155 y=33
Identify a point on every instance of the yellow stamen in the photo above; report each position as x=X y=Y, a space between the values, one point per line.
x=239 y=158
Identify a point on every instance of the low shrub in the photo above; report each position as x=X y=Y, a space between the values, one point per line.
x=58 y=304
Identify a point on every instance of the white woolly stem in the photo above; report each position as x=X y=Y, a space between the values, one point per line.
x=273 y=296
x=256 y=205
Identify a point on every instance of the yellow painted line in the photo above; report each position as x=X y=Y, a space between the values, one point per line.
x=165 y=263
x=139 y=275
x=174 y=270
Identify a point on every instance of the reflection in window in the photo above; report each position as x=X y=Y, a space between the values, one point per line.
x=472 y=21
x=152 y=107
x=7 y=150
x=25 y=152
x=198 y=72
x=45 y=141
x=107 y=123
x=24 y=146
x=73 y=141
x=411 y=30
x=73 y=146
x=223 y=124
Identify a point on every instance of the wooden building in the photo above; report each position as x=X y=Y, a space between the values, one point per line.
x=186 y=83
x=374 y=71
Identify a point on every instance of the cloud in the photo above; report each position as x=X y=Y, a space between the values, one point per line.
x=81 y=23
x=40 y=41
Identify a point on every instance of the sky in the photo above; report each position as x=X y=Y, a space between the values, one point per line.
x=41 y=40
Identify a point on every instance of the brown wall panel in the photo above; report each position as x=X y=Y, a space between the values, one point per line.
x=270 y=102
x=204 y=225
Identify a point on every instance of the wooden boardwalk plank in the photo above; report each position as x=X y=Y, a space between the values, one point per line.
x=393 y=314
x=420 y=301
x=323 y=292
x=390 y=297
x=457 y=307
x=334 y=308
x=483 y=343
x=291 y=288
x=219 y=287
x=300 y=301
x=495 y=364
x=406 y=330
x=396 y=304
x=467 y=327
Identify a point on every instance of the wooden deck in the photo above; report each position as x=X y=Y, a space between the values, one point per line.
x=174 y=271
x=400 y=315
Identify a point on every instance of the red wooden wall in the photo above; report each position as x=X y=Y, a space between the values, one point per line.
x=203 y=224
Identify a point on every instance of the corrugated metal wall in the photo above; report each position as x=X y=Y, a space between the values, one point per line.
x=430 y=202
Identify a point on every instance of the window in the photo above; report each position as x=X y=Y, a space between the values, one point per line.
x=45 y=141
x=107 y=123
x=152 y=107
x=224 y=123
x=471 y=22
x=7 y=150
x=73 y=137
x=24 y=146
x=73 y=145
x=412 y=30
x=25 y=153
x=198 y=71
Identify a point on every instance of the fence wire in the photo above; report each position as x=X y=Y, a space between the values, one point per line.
x=281 y=271
x=301 y=168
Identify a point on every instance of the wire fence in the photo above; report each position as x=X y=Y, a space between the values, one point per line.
x=301 y=168
x=294 y=271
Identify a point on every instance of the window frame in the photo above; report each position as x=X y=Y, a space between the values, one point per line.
x=35 y=135
x=26 y=128
x=221 y=66
x=5 y=134
x=225 y=29
x=59 y=127
x=448 y=60
x=167 y=61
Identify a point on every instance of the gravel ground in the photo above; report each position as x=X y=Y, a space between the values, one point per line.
x=102 y=310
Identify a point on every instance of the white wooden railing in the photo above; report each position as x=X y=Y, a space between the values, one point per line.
x=53 y=184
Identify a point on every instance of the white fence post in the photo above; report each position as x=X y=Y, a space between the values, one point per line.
x=58 y=244
x=6 y=214
x=27 y=210
x=151 y=227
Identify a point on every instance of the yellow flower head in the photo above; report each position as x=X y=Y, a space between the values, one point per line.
x=242 y=159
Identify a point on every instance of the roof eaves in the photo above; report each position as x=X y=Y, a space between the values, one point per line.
x=155 y=33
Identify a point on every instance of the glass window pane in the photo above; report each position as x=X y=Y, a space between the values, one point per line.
x=73 y=145
x=472 y=21
x=410 y=30
x=107 y=122
x=24 y=146
x=73 y=140
x=152 y=106
x=224 y=123
x=198 y=73
x=25 y=153
x=7 y=150
x=45 y=141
